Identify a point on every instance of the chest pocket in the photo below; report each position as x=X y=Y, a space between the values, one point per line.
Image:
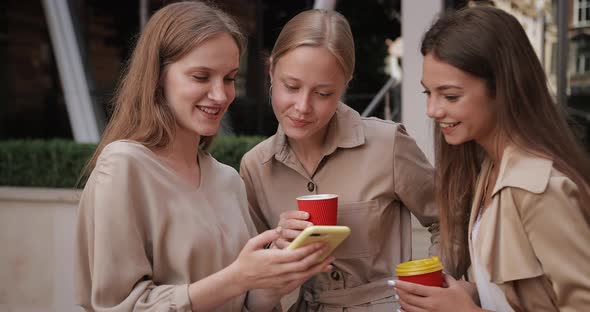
x=362 y=219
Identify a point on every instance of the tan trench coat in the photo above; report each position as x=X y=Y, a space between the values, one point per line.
x=533 y=238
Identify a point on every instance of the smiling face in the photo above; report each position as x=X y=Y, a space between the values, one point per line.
x=458 y=102
x=307 y=83
x=200 y=86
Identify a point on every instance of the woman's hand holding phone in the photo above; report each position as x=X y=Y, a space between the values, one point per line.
x=280 y=269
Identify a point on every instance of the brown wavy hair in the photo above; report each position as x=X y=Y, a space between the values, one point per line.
x=491 y=44
x=140 y=112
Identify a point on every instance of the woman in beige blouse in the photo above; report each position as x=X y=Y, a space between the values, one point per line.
x=512 y=182
x=324 y=146
x=162 y=226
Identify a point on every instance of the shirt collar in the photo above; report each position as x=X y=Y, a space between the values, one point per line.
x=522 y=169
x=344 y=131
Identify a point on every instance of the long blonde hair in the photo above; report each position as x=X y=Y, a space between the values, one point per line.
x=140 y=112
x=328 y=29
x=491 y=44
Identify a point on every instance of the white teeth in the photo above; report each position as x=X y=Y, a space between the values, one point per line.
x=448 y=125
x=208 y=110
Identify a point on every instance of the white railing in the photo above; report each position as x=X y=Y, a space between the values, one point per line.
x=384 y=94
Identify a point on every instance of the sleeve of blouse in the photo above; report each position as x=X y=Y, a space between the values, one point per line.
x=114 y=271
x=244 y=208
x=255 y=212
x=414 y=183
x=558 y=233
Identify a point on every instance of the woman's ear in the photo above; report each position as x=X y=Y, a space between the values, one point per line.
x=348 y=82
x=161 y=78
x=270 y=73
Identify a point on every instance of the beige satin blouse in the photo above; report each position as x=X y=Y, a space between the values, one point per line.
x=144 y=233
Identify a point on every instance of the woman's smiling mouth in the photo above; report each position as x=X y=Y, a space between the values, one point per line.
x=299 y=123
x=448 y=124
x=209 y=110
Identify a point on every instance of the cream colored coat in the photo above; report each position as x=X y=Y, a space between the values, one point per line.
x=533 y=239
x=380 y=175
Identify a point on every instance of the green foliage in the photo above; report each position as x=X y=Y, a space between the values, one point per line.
x=58 y=163
x=37 y=163
x=230 y=149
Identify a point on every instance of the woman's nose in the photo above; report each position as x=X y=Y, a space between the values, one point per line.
x=217 y=92
x=433 y=110
x=303 y=103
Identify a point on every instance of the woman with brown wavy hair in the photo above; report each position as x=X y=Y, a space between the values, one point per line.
x=512 y=183
x=163 y=226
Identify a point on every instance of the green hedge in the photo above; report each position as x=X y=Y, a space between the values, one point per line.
x=229 y=149
x=58 y=163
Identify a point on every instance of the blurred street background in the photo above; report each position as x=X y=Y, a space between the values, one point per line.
x=61 y=61
x=40 y=93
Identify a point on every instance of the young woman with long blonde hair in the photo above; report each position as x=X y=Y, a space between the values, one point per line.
x=324 y=146
x=163 y=226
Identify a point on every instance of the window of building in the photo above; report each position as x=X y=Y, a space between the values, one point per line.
x=583 y=63
x=582 y=48
x=582 y=13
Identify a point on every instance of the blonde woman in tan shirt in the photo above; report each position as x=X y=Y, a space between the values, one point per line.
x=162 y=226
x=324 y=146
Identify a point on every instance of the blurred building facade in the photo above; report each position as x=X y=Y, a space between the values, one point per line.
x=31 y=83
x=539 y=19
x=34 y=104
x=579 y=61
x=33 y=88
x=578 y=68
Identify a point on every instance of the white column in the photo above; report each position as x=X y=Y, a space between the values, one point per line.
x=417 y=16
x=143 y=13
x=71 y=71
x=324 y=4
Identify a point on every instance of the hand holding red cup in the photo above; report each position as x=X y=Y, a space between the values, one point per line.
x=426 y=272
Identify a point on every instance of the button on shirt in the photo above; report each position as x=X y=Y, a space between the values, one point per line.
x=380 y=176
x=310 y=186
x=335 y=275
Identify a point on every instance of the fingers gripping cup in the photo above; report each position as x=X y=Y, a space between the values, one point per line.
x=424 y=271
x=322 y=208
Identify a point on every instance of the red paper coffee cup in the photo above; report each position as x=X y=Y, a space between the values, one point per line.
x=424 y=271
x=322 y=208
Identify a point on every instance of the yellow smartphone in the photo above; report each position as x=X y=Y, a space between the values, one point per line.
x=331 y=234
